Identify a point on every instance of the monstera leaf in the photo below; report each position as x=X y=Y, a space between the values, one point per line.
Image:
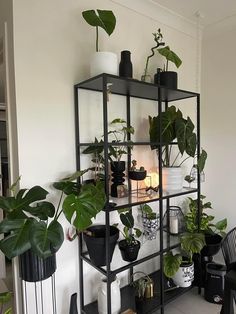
x=171 y=264
x=192 y=243
x=81 y=208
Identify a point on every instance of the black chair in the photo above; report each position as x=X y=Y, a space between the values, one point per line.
x=228 y=247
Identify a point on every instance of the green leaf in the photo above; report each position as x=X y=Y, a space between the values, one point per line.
x=117 y=120
x=5 y=297
x=67 y=187
x=202 y=160
x=138 y=232
x=46 y=240
x=102 y=18
x=18 y=241
x=74 y=176
x=185 y=136
x=42 y=210
x=221 y=225
x=146 y=209
x=85 y=205
x=170 y=55
x=171 y=264
x=192 y=243
x=8 y=311
x=127 y=219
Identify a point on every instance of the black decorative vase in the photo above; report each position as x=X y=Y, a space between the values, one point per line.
x=73 y=304
x=169 y=79
x=33 y=268
x=126 y=67
x=117 y=168
x=96 y=243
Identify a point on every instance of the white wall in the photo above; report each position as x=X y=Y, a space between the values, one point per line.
x=53 y=46
x=218 y=119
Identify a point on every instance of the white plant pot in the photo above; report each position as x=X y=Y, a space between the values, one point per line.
x=184 y=276
x=103 y=62
x=115 y=297
x=172 y=179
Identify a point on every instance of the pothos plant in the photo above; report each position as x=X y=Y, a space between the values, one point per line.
x=31 y=222
x=175 y=126
x=190 y=243
x=104 y=19
x=129 y=232
x=207 y=226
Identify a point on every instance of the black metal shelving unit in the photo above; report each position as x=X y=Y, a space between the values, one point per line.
x=135 y=89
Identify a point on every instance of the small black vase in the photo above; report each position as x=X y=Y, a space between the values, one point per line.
x=126 y=67
x=117 y=168
x=73 y=304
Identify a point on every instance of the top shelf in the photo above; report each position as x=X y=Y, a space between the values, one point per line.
x=134 y=88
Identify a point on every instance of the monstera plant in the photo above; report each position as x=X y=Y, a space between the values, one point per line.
x=31 y=222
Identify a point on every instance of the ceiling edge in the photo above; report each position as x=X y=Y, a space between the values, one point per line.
x=161 y=14
x=225 y=25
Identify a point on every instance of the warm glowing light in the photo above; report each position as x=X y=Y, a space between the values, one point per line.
x=152 y=179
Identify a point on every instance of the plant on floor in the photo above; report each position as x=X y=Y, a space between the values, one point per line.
x=158 y=42
x=206 y=221
x=175 y=126
x=104 y=19
x=190 y=243
x=32 y=223
x=5 y=299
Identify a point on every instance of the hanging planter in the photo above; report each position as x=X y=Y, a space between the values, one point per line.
x=33 y=268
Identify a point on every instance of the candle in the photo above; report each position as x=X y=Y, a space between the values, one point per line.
x=174 y=224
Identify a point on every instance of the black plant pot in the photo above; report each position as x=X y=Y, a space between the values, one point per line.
x=117 y=168
x=212 y=247
x=96 y=243
x=137 y=175
x=73 y=304
x=169 y=79
x=33 y=268
x=125 y=67
x=129 y=253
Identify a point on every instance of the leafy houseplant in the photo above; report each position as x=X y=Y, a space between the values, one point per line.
x=5 y=298
x=158 y=40
x=129 y=247
x=180 y=266
x=32 y=223
x=102 y=62
x=175 y=126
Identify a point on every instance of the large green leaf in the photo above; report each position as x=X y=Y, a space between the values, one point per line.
x=192 y=243
x=85 y=205
x=185 y=137
x=67 y=187
x=101 y=18
x=170 y=55
x=127 y=219
x=221 y=225
x=46 y=240
x=171 y=264
x=18 y=241
x=5 y=297
x=202 y=160
x=42 y=210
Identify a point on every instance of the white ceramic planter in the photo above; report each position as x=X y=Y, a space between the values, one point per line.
x=104 y=62
x=115 y=297
x=184 y=276
x=172 y=179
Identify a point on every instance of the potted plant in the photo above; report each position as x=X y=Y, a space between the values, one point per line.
x=180 y=267
x=135 y=173
x=174 y=126
x=102 y=62
x=31 y=224
x=158 y=40
x=144 y=290
x=129 y=246
x=118 y=134
x=5 y=299
x=151 y=221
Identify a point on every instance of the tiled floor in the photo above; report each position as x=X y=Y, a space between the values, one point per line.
x=191 y=303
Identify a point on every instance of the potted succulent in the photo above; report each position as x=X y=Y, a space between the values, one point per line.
x=129 y=246
x=174 y=126
x=31 y=227
x=158 y=40
x=135 y=173
x=102 y=62
x=180 y=267
x=151 y=221
x=144 y=290
x=5 y=299
x=118 y=134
